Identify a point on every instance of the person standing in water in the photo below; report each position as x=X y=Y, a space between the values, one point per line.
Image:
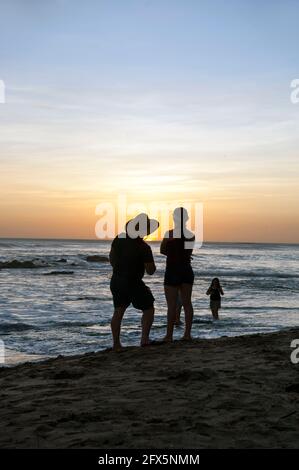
x=177 y=246
x=131 y=257
x=215 y=292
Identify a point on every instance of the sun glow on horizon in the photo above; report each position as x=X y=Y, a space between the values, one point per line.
x=200 y=113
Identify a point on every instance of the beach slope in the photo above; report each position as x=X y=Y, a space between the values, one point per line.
x=231 y=392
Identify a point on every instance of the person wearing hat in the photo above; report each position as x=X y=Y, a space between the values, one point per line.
x=177 y=246
x=131 y=257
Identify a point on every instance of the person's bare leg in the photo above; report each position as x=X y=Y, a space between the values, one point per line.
x=146 y=322
x=215 y=313
x=178 y=310
x=186 y=293
x=171 y=294
x=178 y=315
x=115 y=327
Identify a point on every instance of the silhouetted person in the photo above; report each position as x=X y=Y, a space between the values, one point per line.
x=131 y=257
x=179 y=275
x=215 y=292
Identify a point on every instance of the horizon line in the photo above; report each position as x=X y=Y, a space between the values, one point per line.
x=149 y=241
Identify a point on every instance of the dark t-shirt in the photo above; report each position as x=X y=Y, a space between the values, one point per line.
x=129 y=256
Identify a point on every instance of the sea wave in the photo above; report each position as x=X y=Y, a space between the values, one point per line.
x=10 y=327
x=23 y=264
x=7 y=244
x=269 y=308
x=67 y=324
x=244 y=273
x=88 y=297
x=59 y=273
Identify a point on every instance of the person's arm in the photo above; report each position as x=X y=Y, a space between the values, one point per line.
x=112 y=256
x=208 y=291
x=150 y=268
x=149 y=263
x=163 y=249
x=221 y=291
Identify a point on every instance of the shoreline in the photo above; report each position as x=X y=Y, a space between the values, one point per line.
x=40 y=359
x=15 y=357
x=239 y=392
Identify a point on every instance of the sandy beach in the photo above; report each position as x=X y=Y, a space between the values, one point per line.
x=238 y=392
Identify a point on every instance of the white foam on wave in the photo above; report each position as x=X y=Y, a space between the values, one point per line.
x=13 y=357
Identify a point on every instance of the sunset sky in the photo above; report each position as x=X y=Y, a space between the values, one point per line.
x=160 y=100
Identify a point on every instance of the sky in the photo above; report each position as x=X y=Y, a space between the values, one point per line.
x=157 y=100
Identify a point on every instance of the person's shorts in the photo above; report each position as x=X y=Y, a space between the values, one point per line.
x=175 y=276
x=215 y=304
x=126 y=292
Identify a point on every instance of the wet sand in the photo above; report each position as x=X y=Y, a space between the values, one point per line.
x=226 y=393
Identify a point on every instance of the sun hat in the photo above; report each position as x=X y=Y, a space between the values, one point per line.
x=141 y=226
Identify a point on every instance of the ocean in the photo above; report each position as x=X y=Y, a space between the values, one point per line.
x=68 y=312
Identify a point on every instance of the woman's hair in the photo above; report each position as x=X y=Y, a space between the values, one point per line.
x=180 y=216
x=216 y=279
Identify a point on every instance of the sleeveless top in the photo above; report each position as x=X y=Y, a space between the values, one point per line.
x=177 y=254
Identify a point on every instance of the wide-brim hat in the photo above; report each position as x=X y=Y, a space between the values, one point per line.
x=141 y=226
